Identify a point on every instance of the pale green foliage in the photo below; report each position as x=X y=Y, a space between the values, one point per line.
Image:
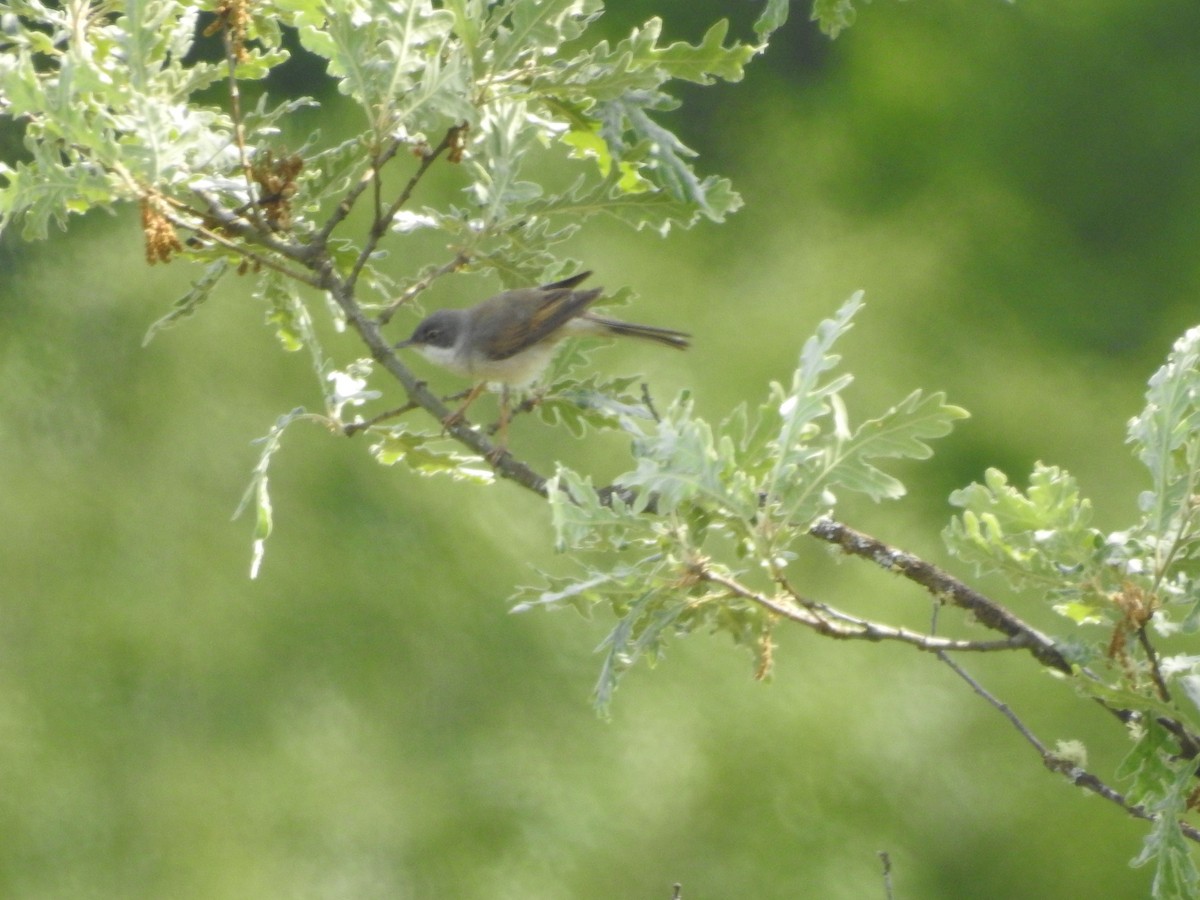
x=1141 y=578
x=105 y=99
x=109 y=108
x=258 y=493
x=734 y=496
x=197 y=294
x=1166 y=437
x=1034 y=537
x=1040 y=538
x=1162 y=786
x=422 y=455
x=108 y=99
x=833 y=15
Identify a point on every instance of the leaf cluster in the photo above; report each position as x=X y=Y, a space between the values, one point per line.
x=1040 y=538
x=702 y=503
x=1125 y=591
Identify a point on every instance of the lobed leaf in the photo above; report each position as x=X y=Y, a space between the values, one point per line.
x=187 y=305
x=833 y=15
x=258 y=492
x=773 y=17
x=1166 y=438
x=418 y=452
x=899 y=433
x=1035 y=538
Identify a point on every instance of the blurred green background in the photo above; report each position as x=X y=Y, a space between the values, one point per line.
x=1014 y=186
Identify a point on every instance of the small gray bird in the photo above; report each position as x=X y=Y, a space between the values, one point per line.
x=511 y=337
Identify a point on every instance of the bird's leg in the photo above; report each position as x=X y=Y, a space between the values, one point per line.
x=529 y=404
x=457 y=416
x=502 y=427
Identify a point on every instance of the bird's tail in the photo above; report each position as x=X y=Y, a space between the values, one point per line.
x=669 y=336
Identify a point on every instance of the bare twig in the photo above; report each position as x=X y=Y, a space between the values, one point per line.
x=232 y=50
x=343 y=209
x=1073 y=772
x=841 y=626
x=239 y=227
x=353 y=428
x=649 y=401
x=383 y=222
x=885 y=860
x=460 y=259
x=258 y=259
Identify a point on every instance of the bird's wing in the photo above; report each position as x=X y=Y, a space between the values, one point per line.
x=516 y=320
x=571 y=282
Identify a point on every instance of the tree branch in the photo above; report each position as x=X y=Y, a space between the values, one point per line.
x=506 y=465
x=943 y=586
x=835 y=624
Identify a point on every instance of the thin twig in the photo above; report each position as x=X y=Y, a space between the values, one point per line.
x=343 y=209
x=239 y=131
x=257 y=258
x=1003 y=708
x=845 y=627
x=383 y=222
x=352 y=428
x=986 y=611
x=885 y=860
x=460 y=259
x=1074 y=773
x=649 y=402
x=239 y=227
x=1160 y=683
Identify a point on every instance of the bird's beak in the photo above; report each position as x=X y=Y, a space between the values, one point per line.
x=403 y=344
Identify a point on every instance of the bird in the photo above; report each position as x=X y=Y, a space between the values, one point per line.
x=510 y=338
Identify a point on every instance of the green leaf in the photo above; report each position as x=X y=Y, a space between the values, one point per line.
x=187 y=305
x=641 y=632
x=592 y=404
x=1036 y=538
x=640 y=208
x=1162 y=785
x=288 y=315
x=798 y=409
x=899 y=433
x=773 y=17
x=638 y=63
x=1166 y=438
x=258 y=491
x=506 y=142
x=417 y=451
x=680 y=465
x=578 y=594
x=529 y=30
x=582 y=520
x=397 y=61
x=833 y=15
x=666 y=155
x=706 y=61
x=816 y=450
